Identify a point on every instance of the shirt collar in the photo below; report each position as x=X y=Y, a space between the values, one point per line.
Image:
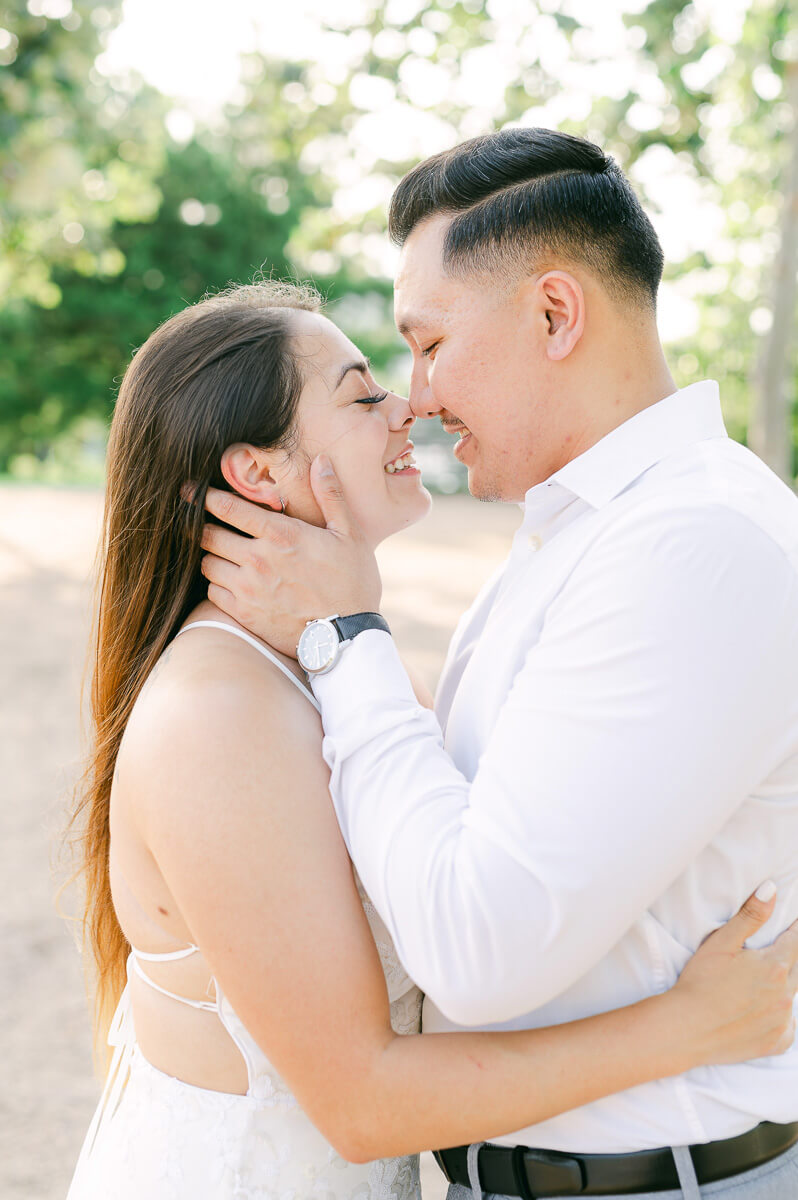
x=688 y=416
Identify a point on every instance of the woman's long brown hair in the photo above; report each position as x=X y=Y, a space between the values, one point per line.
x=219 y=372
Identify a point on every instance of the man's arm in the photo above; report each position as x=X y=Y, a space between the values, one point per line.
x=635 y=727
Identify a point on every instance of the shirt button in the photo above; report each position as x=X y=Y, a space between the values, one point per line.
x=534 y=541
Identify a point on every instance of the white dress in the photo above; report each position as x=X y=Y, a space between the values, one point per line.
x=154 y=1137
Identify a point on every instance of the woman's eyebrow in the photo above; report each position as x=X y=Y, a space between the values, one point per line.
x=363 y=365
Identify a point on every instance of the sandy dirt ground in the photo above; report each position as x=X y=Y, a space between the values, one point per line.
x=47 y=543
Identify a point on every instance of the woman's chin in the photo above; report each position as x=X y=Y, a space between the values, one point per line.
x=399 y=516
x=424 y=507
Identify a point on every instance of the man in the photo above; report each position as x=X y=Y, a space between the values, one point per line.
x=619 y=765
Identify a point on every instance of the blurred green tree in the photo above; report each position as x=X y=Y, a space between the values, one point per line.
x=77 y=150
x=212 y=228
x=300 y=168
x=229 y=202
x=733 y=84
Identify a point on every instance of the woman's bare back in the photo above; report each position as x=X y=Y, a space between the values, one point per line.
x=188 y=1043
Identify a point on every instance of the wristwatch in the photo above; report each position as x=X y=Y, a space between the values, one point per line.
x=322 y=641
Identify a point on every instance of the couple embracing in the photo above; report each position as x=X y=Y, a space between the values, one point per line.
x=289 y=852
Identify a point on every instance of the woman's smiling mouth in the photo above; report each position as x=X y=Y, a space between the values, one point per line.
x=403 y=464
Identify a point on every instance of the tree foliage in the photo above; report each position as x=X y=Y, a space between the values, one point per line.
x=108 y=224
x=76 y=153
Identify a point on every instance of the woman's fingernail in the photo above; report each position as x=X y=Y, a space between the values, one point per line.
x=325 y=466
x=766 y=891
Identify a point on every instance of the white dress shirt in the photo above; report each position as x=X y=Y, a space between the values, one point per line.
x=618 y=767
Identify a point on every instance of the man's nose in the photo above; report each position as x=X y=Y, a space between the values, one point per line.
x=400 y=415
x=422 y=401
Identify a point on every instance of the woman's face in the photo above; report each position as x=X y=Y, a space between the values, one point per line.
x=363 y=429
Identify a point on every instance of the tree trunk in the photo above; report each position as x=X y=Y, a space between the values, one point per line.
x=771 y=425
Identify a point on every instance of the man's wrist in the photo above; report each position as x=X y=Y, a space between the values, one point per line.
x=369 y=673
x=323 y=640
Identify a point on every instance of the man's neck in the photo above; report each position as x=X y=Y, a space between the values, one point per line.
x=620 y=395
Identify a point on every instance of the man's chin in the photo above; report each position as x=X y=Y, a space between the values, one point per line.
x=482 y=489
x=490 y=490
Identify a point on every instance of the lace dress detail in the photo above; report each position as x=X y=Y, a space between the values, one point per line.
x=155 y=1137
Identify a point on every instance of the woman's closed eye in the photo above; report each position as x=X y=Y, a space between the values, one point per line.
x=428 y=350
x=377 y=399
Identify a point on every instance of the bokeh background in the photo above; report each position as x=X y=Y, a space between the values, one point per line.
x=152 y=150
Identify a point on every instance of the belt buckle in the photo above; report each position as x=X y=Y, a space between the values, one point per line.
x=556 y=1173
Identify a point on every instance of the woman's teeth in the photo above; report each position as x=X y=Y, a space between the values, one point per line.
x=400 y=464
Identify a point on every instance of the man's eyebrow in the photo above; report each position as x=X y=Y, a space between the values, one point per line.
x=363 y=365
x=410 y=323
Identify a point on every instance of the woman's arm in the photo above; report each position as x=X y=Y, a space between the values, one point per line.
x=729 y=1005
x=236 y=811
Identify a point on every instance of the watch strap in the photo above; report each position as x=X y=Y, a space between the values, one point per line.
x=350 y=627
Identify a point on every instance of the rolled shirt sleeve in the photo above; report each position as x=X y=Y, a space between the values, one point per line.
x=638 y=722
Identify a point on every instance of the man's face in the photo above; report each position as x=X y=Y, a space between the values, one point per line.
x=480 y=365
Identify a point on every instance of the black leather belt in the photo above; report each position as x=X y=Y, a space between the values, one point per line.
x=522 y=1171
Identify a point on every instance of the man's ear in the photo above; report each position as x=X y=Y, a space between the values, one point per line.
x=562 y=303
x=247 y=470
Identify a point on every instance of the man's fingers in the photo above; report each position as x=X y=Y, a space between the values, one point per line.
x=327 y=491
x=757 y=909
x=236 y=511
x=223 y=599
x=225 y=544
x=220 y=572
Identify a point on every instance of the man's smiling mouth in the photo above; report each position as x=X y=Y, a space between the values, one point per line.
x=453 y=427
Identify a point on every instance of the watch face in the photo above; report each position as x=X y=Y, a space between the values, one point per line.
x=318 y=646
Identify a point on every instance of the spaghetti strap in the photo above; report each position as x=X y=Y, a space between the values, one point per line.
x=165 y=956
x=247 y=637
x=135 y=966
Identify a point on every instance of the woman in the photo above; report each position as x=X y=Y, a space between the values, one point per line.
x=260 y=1041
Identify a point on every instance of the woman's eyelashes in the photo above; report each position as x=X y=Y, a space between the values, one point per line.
x=372 y=399
x=428 y=350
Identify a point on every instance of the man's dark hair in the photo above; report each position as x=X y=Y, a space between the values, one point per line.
x=524 y=198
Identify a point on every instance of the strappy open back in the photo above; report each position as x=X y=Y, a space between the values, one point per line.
x=139 y=956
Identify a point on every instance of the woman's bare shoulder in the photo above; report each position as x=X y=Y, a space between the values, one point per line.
x=215 y=696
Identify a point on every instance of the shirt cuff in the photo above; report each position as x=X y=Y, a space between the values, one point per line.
x=368 y=673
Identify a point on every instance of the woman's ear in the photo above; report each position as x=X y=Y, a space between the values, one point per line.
x=563 y=303
x=247 y=470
